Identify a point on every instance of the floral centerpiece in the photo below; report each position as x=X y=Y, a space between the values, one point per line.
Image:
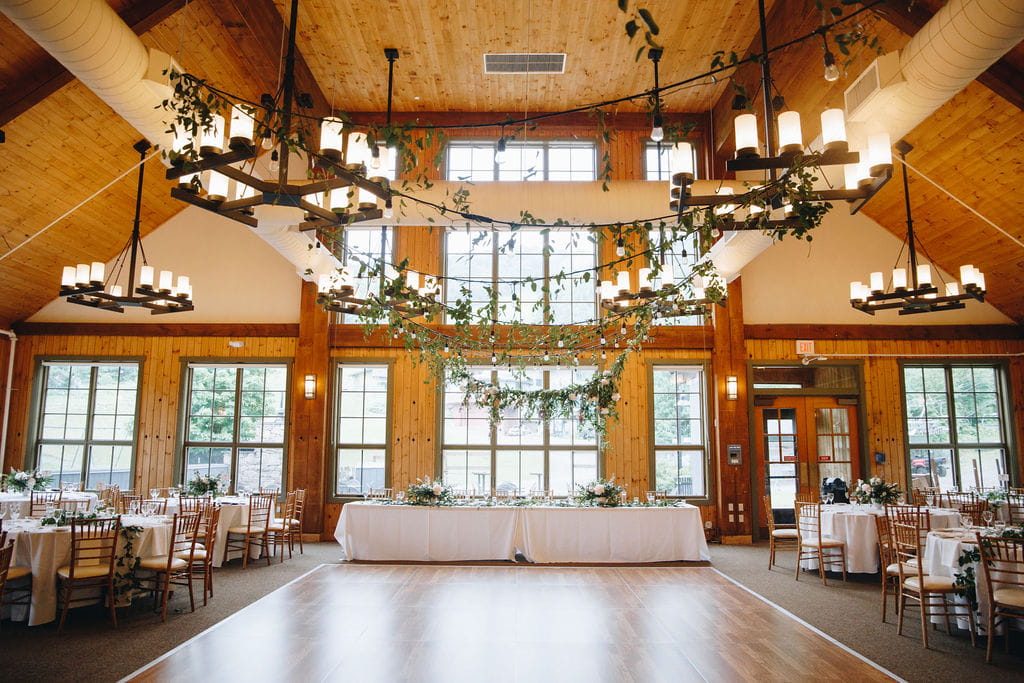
x=62 y=517
x=876 y=491
x=427 y=492
x=24 y=481
x=203 y=484
x=600 y=493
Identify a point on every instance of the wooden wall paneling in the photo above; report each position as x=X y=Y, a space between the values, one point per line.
x=5 y=355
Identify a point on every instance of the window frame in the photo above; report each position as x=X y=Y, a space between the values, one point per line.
x=1006 y=416
x=331 y=470
x=546 y=145
x=704 y=365
x=180 y=475
x=352 y=318
x=695 y=145
x=495 y=268
x=494 y=447
x=34 y=440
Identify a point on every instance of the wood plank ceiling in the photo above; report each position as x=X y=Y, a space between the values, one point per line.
x=972 y=146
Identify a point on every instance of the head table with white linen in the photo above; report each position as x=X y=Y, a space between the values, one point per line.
x=24 y=500
x=543 y=534
x=855 y=526
x=44 y=549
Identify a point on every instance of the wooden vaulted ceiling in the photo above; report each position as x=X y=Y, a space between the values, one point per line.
x=972 y=146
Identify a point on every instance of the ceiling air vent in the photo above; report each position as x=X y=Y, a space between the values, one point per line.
x=522 y=63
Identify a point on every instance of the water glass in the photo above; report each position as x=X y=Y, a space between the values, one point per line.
x=987 y=516
x=135 y=507
x=1000 y=527
x=15 y=511
x=154 y=493
x=650 y=498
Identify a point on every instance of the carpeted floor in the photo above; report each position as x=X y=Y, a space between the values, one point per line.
x=90 y=650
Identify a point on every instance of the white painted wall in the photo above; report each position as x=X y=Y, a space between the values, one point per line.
x=236 y=276
x=794 y=281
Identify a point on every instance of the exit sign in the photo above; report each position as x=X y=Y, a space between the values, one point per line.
x=805 y=347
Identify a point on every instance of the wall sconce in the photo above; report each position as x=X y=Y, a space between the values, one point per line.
x=732 y=389
x=309 y=385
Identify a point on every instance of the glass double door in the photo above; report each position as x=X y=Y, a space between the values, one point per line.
x=802 y=440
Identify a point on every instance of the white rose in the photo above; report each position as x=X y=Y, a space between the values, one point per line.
x=599 y=489
x=604 y=411
x=875 y=481
x=572 y=397
x=31 y=482
x=591 y=489
x=616 y=396
x=605 y=382
x=865 y=488
x=607 y=373
x=21 y=476
x=437 y=489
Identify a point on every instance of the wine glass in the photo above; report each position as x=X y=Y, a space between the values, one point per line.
x=987 y=516
x=650 y=498
x=135 y=507
x=15 y=511
x=400 y=496
x=154 y=493
x=966 y=521
x=830 y=496
x=50 y=509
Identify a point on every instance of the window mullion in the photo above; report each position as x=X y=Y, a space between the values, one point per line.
x=235 y=429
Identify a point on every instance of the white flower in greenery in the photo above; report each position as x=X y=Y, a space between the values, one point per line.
x=572 y=397
x=31 y=482
x=599 y=489
x=437 y=489
x=607 y=373
x=616 y=396
x=865 y=488
x=605 y=381
x=875 y=481
x=21 y=476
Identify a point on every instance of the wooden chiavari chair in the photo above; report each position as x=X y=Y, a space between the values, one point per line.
x=1002 y=565
x=39 y=500
x=657 y=495
x=887 y=553
x=505 y=494
x=73 y=505
x=279 y=531
x=812 y=544
x=909 y=514
x=1015 y=508
x=955 y=499
x=200 y=557
x=780 y=536
x=300 y=515
x=917 y=585
x=254 y=531
x=170 y=568
x=21 y=592
x=6 y=553
x=159 y=505
x=379 y=494
x=1015 y=490
x=192 y=503
x=128 y=501
x=113 y=497
x=93 y=543
x=806 y=498
x=974 y=511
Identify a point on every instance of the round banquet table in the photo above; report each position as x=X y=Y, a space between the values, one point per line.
x=24 y=501
x=44 y=549
x=855 y=526
x=234 y=511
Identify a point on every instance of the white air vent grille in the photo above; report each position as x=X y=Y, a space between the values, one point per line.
x=522 y=63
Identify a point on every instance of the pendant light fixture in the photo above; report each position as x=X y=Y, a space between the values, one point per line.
x=89 y=284
x=912 y=288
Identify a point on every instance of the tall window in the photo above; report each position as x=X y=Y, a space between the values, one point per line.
x=680 y=430
x=235 y=423
x=554 y=160
x=683 y=255
x=365 y=248
x=956 y=428
x=479 y=262
x=360 y=428
x=656 y=160
x=87 y=418
x=525 y=455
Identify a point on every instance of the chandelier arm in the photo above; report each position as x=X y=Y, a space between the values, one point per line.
x=289 y=94
x=142 y=147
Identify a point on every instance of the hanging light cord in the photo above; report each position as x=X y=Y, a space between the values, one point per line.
x=962 y=203
x=79 y=205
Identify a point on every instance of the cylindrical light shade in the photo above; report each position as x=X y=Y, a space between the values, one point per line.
x=332 y=137
x=242 y=127
x=952 y=289
x=681 y=163
x=899 y=278
x=723 y=209
x=731 y=388
x=184 y=285
x=924 y=275
x=340 y=199
x=833 y=130
x=216 y=187
x=746 y=135
x=644 y=279
x=146 y=276
x=968 y=276
x=698 y=293
x=115 y=290
x=67 y=278
x=211 y=140
x=166 y=278
x=357 y=152
x=668 y=277
x=607 y=290
x=185 y=181
x=323 y=283
x=412 y=279
x=877 y=284
x=82 y=274
x=879 y=153
x=309 y=386
x=367 y=200
x=622 y=281
x=790 y=137
x=980 y=277
x=855 y=288
x=850 y=176
x=182 y=139
x=96 y=272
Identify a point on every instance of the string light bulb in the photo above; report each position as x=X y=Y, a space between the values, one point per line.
x=831 y=70
x=500 y=155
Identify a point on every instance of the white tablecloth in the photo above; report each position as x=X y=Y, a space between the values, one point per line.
x=368 y=531
x=24 y=502
x=640 y=534
x=855 y=526
x=234 y=511
x=45 y=549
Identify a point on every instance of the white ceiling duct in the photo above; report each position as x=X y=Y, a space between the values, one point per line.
x=94 y=43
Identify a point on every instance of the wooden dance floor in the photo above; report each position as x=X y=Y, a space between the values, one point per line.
x=496 y=623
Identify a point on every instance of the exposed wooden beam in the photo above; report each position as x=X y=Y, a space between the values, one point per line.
x=1002 y=78
x=48 y=75
x=894 y=332
x=159 y=329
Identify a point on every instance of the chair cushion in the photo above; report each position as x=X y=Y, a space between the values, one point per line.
x=198 y=554
x=279 y=528
x=280 y=520
x=246 y=530
x=159 y=563
x=931 y=583
x=17 y=573
x=83 y=571
x=826 y=542
x=785 y=533
x=1013 y=597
